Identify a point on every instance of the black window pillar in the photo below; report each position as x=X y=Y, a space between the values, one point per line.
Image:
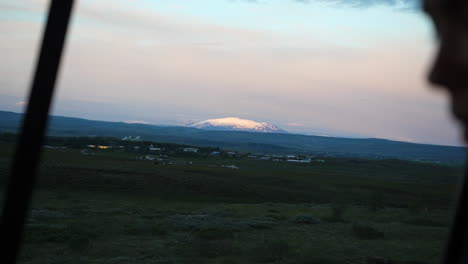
x=27 y=156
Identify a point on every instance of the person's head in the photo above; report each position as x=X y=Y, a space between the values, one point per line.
x=450 y=66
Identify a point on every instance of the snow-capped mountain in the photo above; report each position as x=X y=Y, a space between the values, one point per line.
x=237 y=124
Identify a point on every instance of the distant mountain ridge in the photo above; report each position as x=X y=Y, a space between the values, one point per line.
x=247 y=141
x=237 y=124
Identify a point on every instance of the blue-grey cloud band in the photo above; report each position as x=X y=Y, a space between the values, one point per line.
x=403 y=4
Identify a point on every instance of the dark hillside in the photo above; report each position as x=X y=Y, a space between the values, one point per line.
x=248 y=141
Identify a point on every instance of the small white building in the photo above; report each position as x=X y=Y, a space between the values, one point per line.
x=130 y=138
x=195 y=150
x=150 y=157
x=231 y=166
x=298 y=161
x=154 y=149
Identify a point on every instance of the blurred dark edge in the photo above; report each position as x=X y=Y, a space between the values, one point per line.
x=27 y=155
x=456 y=251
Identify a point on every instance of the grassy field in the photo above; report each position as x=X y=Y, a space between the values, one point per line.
x=113 y=208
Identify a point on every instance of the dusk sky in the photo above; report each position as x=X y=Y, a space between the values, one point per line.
x=353 y=68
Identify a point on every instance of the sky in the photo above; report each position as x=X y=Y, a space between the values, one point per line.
x=348 y=68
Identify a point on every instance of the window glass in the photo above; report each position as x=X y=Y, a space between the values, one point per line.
x=246 y=132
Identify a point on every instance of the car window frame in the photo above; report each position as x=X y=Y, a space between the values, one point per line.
x=27 y=155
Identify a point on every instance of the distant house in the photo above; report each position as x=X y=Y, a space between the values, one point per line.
x=291 y=156
x=91 y=146
x=104 y=147
x=136 y=147
x=298 y=161
x=130 y=138
x=252 y=156
x=231 y=153
x=265 y=158
x=150 y=157
x=195 y=150
x=154 y=149
x=215 y=153
x=319 y=160
x=232 y=166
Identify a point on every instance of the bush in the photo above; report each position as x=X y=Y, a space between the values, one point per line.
x=79 y=243
x=204 y=222
x=417 y=206
x=259 y=223
x=378 y=260
x=144 y=228
x=214 y=234
x=305 y=219
x=376 y=201
x=200 y=248
x=424 y=221
x=366 y=232
x=337 y=213
x=46 y=233
x=272 y=251
x=276 y=217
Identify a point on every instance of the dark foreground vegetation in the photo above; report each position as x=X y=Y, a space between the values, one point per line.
x=112 y=206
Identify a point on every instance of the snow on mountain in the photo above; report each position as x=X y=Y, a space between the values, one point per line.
x=237 y=124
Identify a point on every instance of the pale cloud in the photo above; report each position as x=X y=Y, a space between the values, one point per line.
x=401 y=4
x=137 y=122
x=295 y=124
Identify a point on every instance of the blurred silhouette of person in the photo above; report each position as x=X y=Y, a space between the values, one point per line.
x=450 y=67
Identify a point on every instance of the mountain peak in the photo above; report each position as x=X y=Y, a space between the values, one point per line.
x=237 y=124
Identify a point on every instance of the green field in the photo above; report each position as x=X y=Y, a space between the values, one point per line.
x=111 y=207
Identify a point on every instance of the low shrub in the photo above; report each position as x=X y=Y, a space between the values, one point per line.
x=260 y=223
x=276 y=217
x=201 y=248
x=214 y=234
x=366 y=232
x=378 y=260
x=140 y=229
x=337 y=212
x=204 y=222
x=424 y=221
x=46 y=233
x=376 y=201
x=272 y=251
x=79 y=243
x=305 y=219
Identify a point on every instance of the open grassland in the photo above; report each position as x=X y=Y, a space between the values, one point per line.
x=112 y=208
